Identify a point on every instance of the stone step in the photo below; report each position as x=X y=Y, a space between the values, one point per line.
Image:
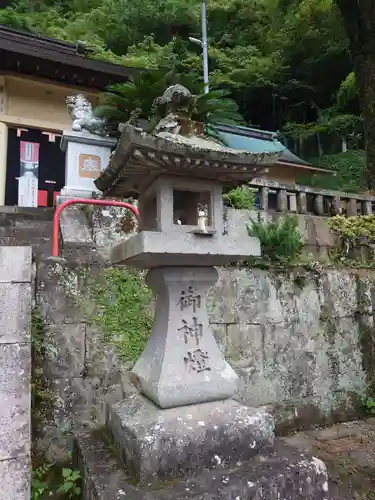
x=26 y=213
x=283 y=473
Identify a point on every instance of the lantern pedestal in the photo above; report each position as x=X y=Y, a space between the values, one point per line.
x=87 y=155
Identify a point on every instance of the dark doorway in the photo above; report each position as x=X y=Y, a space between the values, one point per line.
x=51 y=168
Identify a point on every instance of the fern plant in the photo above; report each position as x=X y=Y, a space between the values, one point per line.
x=138 y=95
x=281 y=241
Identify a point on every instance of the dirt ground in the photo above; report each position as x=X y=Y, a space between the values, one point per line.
x=348 y=450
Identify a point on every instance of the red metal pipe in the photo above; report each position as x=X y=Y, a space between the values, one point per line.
x=82 y=201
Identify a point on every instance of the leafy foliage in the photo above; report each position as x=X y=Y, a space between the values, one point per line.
x=281 y=241
x=39 y=485
x=369 y=405
x=48 y=480
x=139 y=94
x=274 y=57
x=355 y=240
x=350 y=229
x=351 y=172
x=241 y=197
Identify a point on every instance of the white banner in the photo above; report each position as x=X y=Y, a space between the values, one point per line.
x=28 y=180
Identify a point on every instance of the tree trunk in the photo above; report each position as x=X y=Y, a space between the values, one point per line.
x=320 y=148
x=365 y=75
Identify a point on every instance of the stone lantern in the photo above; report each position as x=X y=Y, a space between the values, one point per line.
x=181 y=238
x=183 y=418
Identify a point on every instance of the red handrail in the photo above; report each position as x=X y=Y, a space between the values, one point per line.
x=82 y=201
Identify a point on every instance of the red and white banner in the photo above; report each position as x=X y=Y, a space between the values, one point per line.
x=28 y=180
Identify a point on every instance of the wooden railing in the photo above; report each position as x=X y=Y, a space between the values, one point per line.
x=274 y=196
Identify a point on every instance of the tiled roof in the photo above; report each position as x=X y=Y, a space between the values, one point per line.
x=257 y=141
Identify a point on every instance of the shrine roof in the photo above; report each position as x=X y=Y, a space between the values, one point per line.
x=39 y=56
x=257 y=141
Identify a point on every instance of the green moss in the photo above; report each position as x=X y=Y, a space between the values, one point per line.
x=122 y=310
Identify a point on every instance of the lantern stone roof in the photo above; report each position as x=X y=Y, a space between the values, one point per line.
x=140 y=157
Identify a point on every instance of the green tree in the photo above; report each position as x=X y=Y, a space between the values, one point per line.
x=284 y=62
x=359 y=21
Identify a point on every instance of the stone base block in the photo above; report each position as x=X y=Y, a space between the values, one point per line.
x=282 y=473
x=155 y=442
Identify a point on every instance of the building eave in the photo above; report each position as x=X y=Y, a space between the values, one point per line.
x=31 y=54
x=308 y=167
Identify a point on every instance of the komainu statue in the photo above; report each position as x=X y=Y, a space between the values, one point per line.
x=80 y=110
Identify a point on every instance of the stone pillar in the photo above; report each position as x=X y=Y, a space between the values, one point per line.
x=3 y=160
x=336 y=205
x=367 y=207
x=292 y=202
x=86 y=156
x=352 y=207
x=282 y=200
x=182 y=364
x=318 y=204
x=15 y=362
x=264 y=198
x=302 y=202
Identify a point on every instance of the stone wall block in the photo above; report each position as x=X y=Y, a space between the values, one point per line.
x=324 y=236
x=237 y=221
x=367 y=346
x=364 y=294
x=15 y=401
x=65 y=350
x=74 y=225
x=220 y=334
x=252 y=293
x=221 y=300
x=307 y=303
x=101 y=357
x=102 y=393
x=245 y=346
x=302 y=226
x=345 y=357
x=106 y=227
x=15 y=264
x=81 y=401
x=62 y=417
x=15 y=313
x=15 y=479
x=262 y=297
x=55 y=306
x=15 y=372
x=340 y=293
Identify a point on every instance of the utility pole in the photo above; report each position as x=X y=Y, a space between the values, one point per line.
x=204 y=47
x=203 y=44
